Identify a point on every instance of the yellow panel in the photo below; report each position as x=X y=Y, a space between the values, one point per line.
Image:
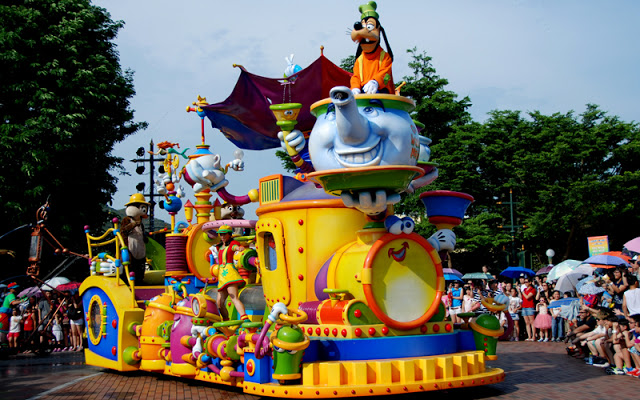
x=271 y=252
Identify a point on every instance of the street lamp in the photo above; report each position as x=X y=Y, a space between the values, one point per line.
x=550 y=253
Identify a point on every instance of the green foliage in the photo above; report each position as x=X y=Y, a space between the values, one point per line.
x=347 y=63
x=64 y=103
x=571 y=176
x=285 y=159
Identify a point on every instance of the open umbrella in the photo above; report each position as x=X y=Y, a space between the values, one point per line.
x=452 y=277
x=452 y=271
x=515 y=272
x=618 y=254
x=562 y=268
x=590 y=288
x=562 y=302
x=53 y=283
x=477 y=275
x=633 y=245
x=71 y=286
x=604 y=261
x=545 y=270
x=569 y=281
x=32 y=291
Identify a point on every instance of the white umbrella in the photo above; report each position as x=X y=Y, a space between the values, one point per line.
x=569 y=281
x=53 y=283
x=590 y=288
x=562 y=268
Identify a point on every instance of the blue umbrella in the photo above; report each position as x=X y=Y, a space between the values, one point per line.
x=452 y=271
x=452 y=277
x=515 y=272
x=562 y=302
x=605 y=259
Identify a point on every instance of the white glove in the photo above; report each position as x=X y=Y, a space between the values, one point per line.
x=356 y=91
x=364 y=202
x=444 y=239
x=295 y=139
x=276 y=310
x=371 y=87
x=237 y=165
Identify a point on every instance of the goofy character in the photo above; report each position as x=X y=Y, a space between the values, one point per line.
x=372 y=68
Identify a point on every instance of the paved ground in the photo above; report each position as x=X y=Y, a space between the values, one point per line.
x=534 y=371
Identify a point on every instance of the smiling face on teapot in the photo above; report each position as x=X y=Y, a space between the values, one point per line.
x=363 y=132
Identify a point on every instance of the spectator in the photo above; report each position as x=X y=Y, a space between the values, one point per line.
x=470 y=305
x=56 y=330
x=621 y=356
x=457 y=297
x=44 y=311
x=528 y=309
x=29 y=325
x=515 y=305
x=617 y=287
x=557 y=322
x=632 y=340
x=631 y=298
x=634 y=267
x=543 y=319
x=76 y=316
x=14 y=328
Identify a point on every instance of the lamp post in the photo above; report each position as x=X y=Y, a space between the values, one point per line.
x=140 y=170
x=550 y=253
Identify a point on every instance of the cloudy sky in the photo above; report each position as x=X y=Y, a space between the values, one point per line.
x=545 y=55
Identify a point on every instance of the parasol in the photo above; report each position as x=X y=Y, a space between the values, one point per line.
x=71 y=286
x=53 y=283
x=452 y=277
x=605 y=261
x=477 y=275
x=32 y=291
x=562 y=268
x=569 y=280
x=633 y=245
x=545 y=270
x=452 y=271
x=562 y=302
x=515 y=272
x=590 y=288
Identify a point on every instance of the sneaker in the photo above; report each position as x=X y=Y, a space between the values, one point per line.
x=540 y=340
x=546 y=339
x=589 y=360
x=601 y=364
x=634 y=372
x=517 y=339
x=617 y=371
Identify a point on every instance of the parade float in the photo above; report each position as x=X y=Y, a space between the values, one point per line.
x=327 y=293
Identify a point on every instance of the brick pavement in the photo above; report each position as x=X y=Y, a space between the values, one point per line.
x=534 y=371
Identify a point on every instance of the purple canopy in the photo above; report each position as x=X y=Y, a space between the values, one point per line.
x=245 y=118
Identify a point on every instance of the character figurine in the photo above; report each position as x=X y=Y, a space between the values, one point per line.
x=229 y=280
x=133 y=233
x=372 y=68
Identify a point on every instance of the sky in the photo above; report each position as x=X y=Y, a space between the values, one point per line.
x=547 y=55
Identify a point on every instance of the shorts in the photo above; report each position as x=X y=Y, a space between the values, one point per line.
x=79 y=322
x=528 y=312
x=455 y=310
x=13 y=334
x=633 y=350
x=515 y=316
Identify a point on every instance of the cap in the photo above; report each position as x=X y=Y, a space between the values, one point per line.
x=225 y=229
x=369 y=10
x=13 y=285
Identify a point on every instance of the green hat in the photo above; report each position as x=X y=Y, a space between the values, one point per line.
x=225 y=229
x=369 y=10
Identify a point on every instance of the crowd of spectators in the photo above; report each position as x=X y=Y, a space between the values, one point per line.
x=602 y=329
x=52 y=322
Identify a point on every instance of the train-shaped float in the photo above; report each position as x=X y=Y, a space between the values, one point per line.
x=326 y=294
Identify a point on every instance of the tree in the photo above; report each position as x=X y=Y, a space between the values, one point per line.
x=64 y=102
x=572 y=176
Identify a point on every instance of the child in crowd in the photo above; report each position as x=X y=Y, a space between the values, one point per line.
x=56 y=329
x=632 y=340
x=515 y=304
x=14 y=328
x=543 y=320
x=557 y=322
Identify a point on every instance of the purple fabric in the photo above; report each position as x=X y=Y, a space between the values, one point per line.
x=245 y=118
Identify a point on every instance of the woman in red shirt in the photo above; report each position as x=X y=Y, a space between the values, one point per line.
x=528 y=309
x=29 y=322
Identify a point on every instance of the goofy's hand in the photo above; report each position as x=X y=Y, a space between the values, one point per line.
x=294 y=140
x=371 y=87
x=444 y=239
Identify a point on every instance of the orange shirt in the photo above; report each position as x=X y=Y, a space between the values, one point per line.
x=370 y=66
